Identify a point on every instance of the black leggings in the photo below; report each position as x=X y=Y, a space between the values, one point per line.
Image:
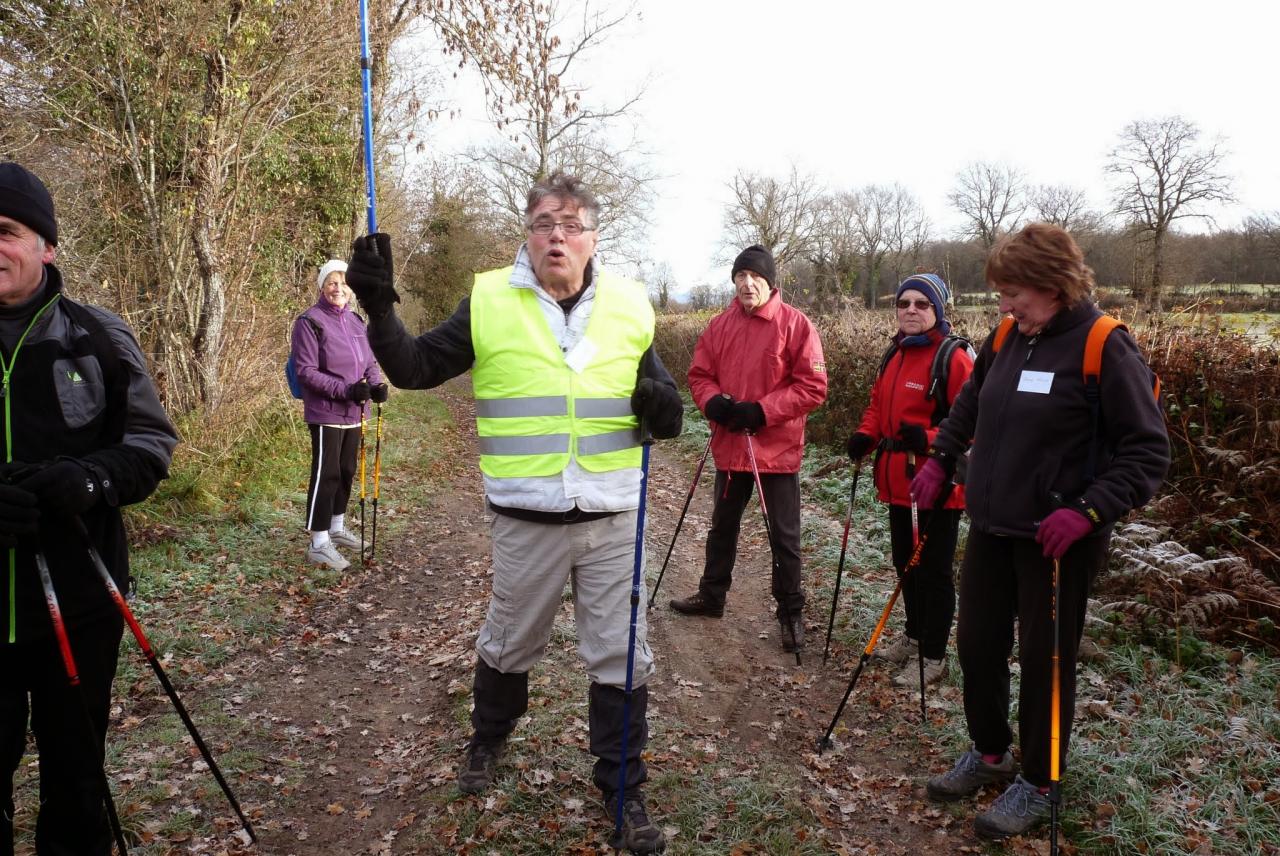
x=929 y=591
x=333 y=466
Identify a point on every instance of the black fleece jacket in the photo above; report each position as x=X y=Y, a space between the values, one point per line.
x=1031 y=448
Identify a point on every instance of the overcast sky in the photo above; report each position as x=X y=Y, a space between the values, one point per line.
x=860 y=93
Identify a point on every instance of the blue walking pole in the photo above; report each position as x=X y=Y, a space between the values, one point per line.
x=365 y=73
x=646 y=440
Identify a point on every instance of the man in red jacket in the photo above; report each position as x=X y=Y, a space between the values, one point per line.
x=757 y=372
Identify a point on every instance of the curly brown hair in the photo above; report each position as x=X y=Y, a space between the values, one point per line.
x=1041 y=256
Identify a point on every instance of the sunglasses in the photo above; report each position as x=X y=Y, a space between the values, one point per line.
x=922 y=305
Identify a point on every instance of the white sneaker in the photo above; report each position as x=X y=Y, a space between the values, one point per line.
x=343 y=538
x=902 y=649
x=934 y=671
x=327 y=555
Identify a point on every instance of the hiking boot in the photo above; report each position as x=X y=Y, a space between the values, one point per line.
x=476 y=773
x=327 y=555
x=697 y=604
x=934 y=671
x=792 y=633
x=902 y=649
x=343 y=538
x=639 y=834
x=969 y=775
x=1020 y=808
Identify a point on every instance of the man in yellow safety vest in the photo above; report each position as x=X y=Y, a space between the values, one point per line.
x=563 y=367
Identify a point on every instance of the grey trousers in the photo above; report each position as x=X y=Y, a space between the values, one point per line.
x=532 y=562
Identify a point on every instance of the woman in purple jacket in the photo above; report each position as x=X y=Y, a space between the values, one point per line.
x=338 y=375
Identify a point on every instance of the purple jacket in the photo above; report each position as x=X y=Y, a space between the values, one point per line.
x=330 y=363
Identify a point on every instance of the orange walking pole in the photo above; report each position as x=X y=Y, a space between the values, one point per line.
x=1055 y=716
x=825 y=742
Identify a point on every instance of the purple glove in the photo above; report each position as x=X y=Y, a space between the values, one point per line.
x=928 y=483
x=1060 y=530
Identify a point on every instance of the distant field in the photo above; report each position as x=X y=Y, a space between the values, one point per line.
x=1261 y=326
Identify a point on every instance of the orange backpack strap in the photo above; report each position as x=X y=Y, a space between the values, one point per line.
x=1001 y=333
x=1093 y=346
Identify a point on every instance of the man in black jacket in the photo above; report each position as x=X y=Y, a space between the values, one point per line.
x=84 y=435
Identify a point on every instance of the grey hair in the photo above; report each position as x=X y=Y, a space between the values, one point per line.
x=41 y=243
x=566 y=188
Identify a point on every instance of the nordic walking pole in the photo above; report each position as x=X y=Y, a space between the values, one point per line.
x=365 y=74
x=154 y=662
x=844 y=543
x=915 y=539
x=1055 y=716
x=363 y=421
x=377 y=482
x=697 y=477
x=646 y=440
x=825 y=741
x=73 y=677
x=764 y=511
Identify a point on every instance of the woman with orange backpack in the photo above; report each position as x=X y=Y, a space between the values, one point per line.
x=1061 y=450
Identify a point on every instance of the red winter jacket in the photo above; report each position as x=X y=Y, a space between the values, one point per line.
x=772 y=356
x=900 y=394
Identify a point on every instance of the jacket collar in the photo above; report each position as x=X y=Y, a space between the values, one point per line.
x=768 y=311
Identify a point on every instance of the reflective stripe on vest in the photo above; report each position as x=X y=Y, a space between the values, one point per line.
x=533 y=412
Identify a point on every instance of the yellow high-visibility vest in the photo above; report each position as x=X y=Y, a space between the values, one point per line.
x=533 y=411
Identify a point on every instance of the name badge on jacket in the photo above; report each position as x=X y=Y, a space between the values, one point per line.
x=1035 y=382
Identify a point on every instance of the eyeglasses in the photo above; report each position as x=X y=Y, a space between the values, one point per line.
x=571 y=228
x=922 y=305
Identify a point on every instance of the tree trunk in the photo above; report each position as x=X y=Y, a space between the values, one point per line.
x=1157 y=272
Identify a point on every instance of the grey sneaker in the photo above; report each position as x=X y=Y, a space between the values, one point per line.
x=639 y=833
x=934 y=671
x=1020 y=808
x=969 y=775
x=476 y=772
x=327 y=555
x=343 y=538
x=903 y=649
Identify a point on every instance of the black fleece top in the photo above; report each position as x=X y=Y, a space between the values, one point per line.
x=1031 y=448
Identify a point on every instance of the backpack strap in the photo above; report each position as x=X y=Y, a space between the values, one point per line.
x=888 y=355
x=1001 y=333
x=940 y=375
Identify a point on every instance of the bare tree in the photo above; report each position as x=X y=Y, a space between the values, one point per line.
x=991 y=197
x=661 y=282
x=781 y=215
x=1161 y=176
x=908 y=231
x=1065 y=206
x=547 y=125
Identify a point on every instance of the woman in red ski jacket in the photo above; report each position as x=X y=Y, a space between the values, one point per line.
x=899 y=424
x=757 y=371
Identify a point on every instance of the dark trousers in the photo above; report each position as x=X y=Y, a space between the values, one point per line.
x=929 y=591
x=72 y=817
x=1006 y=578
x=333 y=466
x=782 y=498
x=501 y=698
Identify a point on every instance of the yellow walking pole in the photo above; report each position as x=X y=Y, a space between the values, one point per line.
x=377 y=481
x=1055 y=716
x=362 y=457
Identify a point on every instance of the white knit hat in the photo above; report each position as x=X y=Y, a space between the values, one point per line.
x=329 y=267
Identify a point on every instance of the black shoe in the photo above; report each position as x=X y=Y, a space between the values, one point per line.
x=698 y=605
x=797 y=631
x=639 y=834
x=476 y=773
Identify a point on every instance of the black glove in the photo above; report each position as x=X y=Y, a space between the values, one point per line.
x=18 y=514
x=858 y=446
x=378 y=393
x=720 y=407
x=746 y=416
x=369 y=274
x=64 y=488
x=914 y=438
x=359 y=391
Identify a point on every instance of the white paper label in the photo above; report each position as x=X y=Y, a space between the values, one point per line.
x=1035 y=382
x=581 y=355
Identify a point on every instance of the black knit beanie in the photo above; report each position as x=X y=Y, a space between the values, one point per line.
x=24 y=198
x=756 y=259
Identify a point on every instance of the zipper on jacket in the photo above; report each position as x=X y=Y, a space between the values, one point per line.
x=7 y=368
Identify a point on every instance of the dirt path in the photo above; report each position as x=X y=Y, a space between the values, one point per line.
x=361 y=713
